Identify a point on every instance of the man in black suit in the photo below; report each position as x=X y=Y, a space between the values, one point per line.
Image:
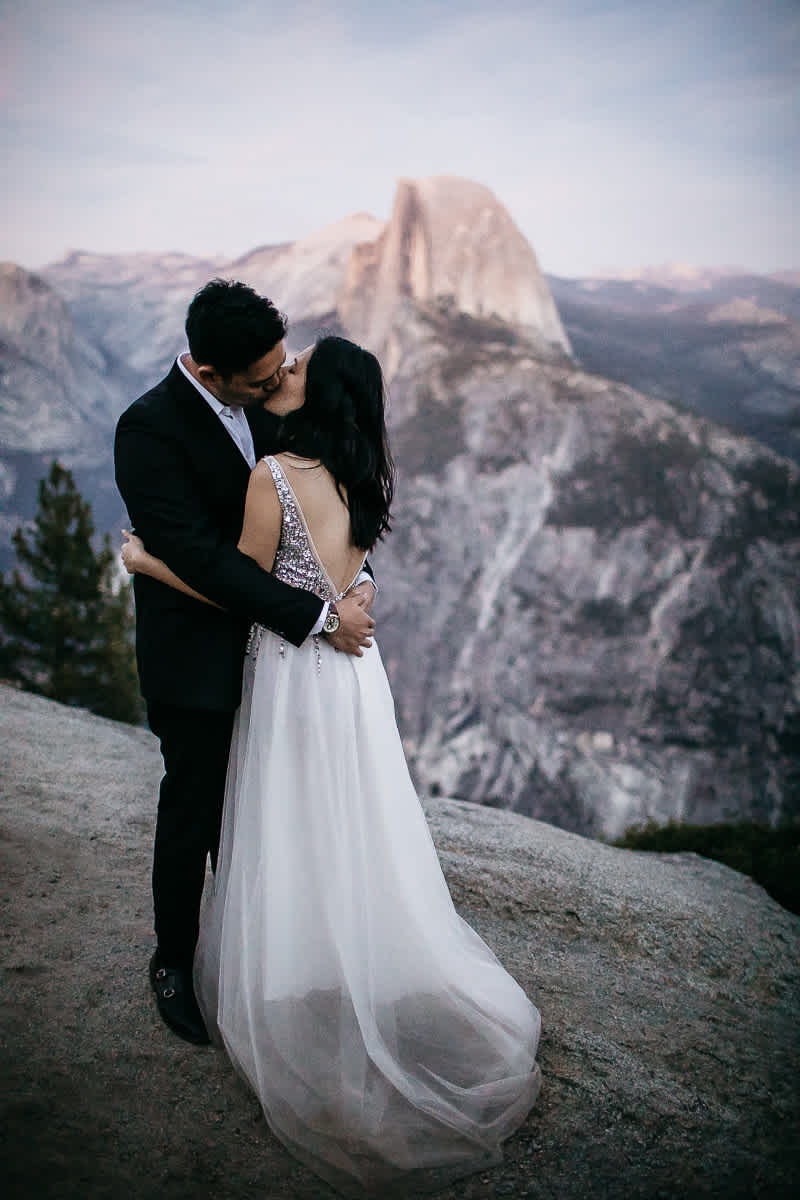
x=183 y=455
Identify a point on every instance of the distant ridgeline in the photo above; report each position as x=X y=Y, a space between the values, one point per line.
x=722 y=344
x=589 y=604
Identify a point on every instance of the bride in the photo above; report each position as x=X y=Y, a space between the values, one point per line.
x=389 y=1048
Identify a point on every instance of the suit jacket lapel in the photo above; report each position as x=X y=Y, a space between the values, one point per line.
x=204 y=432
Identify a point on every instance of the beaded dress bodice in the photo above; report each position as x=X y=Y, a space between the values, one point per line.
x=296 y=559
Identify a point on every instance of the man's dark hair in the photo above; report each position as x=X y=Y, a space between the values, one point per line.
x=229 y=326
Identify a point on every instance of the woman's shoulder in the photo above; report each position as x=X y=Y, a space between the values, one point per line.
x=295 y=462
x=301 y=471
x=261 y=477
x=265 y=467
x=308 y=478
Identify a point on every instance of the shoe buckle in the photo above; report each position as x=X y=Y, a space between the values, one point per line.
x=168 y=993
x=161 y=973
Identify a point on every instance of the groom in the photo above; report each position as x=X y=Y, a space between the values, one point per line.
x=183 y=455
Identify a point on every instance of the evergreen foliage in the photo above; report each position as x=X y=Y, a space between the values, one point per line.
x=65 y=630
x=770 y=856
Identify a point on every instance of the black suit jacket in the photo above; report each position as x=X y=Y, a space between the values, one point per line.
x=184 y=482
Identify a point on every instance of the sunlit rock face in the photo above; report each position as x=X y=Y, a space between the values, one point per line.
x=449 y=241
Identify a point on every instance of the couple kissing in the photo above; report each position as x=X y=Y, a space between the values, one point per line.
x=387 y=1045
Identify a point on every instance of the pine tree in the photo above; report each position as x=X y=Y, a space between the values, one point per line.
x=65 y=631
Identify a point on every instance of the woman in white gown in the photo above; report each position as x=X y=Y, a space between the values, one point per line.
x=389 y=1048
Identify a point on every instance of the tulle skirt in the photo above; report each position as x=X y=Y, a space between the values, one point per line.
x=389 y=1048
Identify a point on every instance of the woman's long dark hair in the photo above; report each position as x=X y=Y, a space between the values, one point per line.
x=342 y=423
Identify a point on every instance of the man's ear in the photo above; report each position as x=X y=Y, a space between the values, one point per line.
x=206 y=375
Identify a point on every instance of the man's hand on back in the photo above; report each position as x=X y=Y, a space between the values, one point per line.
x=366 y=589
x=356 y=626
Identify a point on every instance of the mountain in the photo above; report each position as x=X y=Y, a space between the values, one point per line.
x=449 y=242
x=667 y=984
x=589 y=608
x=59 y=396
x=656 y=291
x=591 y=598
x=306 y=276
x=133 y=306
x=93 y=331
x=790 y=277
x=729 y=349
x=56 y=385
x=691 y=279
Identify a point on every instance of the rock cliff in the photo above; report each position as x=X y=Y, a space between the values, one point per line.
x=591 y=601
x=448 y=241
x=668 y=987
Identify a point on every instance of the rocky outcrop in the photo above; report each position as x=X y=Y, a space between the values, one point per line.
x=668 y=987
x=449 y=241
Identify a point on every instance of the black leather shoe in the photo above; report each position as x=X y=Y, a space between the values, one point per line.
x=176 y=1001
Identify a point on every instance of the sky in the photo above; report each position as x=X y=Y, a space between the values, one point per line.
x=617 y=134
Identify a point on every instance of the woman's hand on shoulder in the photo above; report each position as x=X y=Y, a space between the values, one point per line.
x=365 y=592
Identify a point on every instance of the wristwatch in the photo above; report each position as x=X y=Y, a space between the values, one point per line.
x=332 y=621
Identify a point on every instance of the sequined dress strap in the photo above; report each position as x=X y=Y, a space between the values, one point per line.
x=296 y=560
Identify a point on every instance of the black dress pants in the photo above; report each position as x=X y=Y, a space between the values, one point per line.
x=194 y=745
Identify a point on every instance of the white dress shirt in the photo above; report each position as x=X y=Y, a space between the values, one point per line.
x=234 y=422
x=232 y=419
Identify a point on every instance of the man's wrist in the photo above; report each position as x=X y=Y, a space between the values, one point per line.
x=319 y=624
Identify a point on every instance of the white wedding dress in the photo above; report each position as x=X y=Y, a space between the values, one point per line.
x=389 y=1048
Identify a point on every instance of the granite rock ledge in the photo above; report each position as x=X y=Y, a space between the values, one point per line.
x=668 y=987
